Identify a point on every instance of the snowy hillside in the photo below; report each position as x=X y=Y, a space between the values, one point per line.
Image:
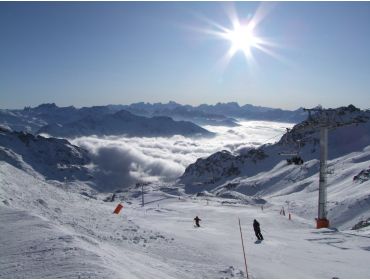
x=52 y=229
x=352 y=135
x=52 y=158
x=18 y=121
x=104 y=168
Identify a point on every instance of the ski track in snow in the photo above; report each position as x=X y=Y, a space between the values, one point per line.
x=49 y=230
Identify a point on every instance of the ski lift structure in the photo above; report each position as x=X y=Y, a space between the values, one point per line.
x=292 y=153
x=324 y=119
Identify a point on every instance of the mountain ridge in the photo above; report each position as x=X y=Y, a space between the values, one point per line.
x=217 y=169
x=124 y=123
x=222 y=114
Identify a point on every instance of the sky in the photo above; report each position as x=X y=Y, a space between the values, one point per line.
x=98 y=53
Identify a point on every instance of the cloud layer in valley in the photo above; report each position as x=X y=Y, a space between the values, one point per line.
x=122 y=161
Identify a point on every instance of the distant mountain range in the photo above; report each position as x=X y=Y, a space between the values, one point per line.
x=219 y=114
x=98 y=120
x=138 y=119
x=124 y=123
x=32 y=119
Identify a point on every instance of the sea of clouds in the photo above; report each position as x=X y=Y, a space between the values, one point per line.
x=123 y=161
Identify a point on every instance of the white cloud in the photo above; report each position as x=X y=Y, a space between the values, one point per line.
x=122 y=161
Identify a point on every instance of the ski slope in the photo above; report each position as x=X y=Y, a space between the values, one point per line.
x=51 y=230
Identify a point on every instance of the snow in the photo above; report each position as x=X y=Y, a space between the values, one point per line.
x=32 y=247
x=50 y=230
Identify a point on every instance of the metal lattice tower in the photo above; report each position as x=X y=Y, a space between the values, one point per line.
x=322 y=220
x=326 y=119
x=324 y=122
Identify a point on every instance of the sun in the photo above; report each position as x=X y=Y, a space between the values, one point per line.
x=242 y=39
x=243 y=35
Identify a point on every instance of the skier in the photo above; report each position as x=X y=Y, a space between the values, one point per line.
x=257 y=230
x=196 y=219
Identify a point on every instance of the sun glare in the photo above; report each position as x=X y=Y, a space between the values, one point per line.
x=242 y=39
x=243 y=35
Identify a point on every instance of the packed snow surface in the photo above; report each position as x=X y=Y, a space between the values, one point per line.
x=49 y=229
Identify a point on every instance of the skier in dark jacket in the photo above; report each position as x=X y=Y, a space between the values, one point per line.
x=257 y=230
x=196 y=219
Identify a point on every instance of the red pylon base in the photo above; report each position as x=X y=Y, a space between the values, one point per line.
x=322 y=223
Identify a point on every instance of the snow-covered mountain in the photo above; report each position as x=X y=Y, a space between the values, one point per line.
x=219 y=114
x=266 y=173
x=177 y=112
x=251 y=112
x=124 y=123
x=96 y=120
x=19 y=120
x=53 y=159
x=197 y=116
x=222 y=114
x=352 y=134
x=32 y=119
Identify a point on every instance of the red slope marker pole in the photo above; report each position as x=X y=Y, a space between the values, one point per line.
x=245 y=259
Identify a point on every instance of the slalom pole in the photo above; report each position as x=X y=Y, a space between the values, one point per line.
x=245 y=259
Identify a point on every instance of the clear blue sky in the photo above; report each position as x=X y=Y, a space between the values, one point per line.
x=87 y=54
